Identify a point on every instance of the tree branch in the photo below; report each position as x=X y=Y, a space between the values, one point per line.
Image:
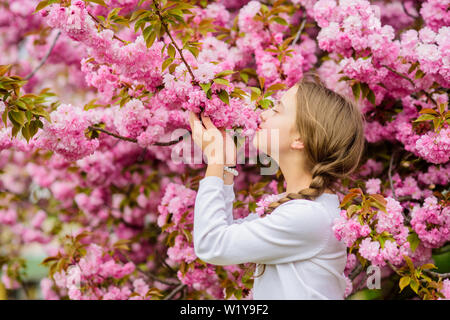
x=99 y=23
x=166 y=28
x=135 y=140
x=437 y=274
x=174 y=291
x=356 y=271
x=406 y=11
x=45 y=57
x=148 y=274
x=389 y=174
x=297 y=36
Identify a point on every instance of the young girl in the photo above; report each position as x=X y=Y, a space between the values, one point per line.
x=321 y=140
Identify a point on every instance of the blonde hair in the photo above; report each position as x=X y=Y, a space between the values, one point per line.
x=332 y=130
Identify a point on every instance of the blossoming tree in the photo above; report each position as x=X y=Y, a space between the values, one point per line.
x=92 y=92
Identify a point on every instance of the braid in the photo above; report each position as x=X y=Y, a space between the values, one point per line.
x=319 y=183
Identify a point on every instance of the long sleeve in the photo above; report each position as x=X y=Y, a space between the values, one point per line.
x=229 y=199
x=296 y=230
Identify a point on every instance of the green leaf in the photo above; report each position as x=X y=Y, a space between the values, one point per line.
x=166 y=63
x=205 y=87
x=419 y=74
x=28 y=114
x=344 y=78
x=33 y=127
x=244 y=76
x=17 y=117
x=5 y=117
x=265 y=103
x=428 y=266
x=413 y=66
x=277 y=86
x=224 y=73
x=365 y=89
x=100 y=2
x=371 y=97
x=409 y=263
x=356 y=88
x=15 y=130
x=26 y=132
x=280 y=21
x=171 y=51
x=194 y=50
x=149 y=36
x=172 y=67
x=41 y=5
x=414 y=284
x=425 y=117
x=221 y=81
x=223 y=95
x=138 y=13
x=404 y=282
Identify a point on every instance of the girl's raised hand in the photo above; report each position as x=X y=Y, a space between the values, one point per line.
x=216 y=144
x=207 y=137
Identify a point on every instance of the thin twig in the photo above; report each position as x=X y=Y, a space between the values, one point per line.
x=394 y=268
x=360 y=285
x=437 y=274
x=45 y=57
x=166 y=28
x=389 y=175
x=356 y=271
x=406 y=11
x=114 y=36
x=135 y=140
x=174 y=291
x=112 y=134
x=399 y=74
x=297 y=36
x=149 y=274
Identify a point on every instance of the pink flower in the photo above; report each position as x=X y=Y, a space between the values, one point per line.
x=369 y=249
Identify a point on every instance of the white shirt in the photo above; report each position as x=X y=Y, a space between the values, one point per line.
x=303 y=258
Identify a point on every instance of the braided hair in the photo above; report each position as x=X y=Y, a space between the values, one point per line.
x=332 y=130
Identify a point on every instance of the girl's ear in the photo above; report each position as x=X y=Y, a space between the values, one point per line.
x=297 y=144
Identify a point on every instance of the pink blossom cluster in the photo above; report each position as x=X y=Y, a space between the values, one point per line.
x=431 y=222
x=121 y=189
x=431 y=49
x=393 y=14
x=134 y=61
x=353 y=25
x=264 y=202
x=65 y=134
x=446 y=289
x=435 y=13
x=438 y=175
x=93 y=269
x=134 y=120
x=176 y=215
x=382 y=238
x=435 y=147
x=373 y=185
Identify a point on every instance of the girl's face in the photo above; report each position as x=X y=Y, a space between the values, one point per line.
x=277 y=130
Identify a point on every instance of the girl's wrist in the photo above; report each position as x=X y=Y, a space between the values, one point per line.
x=214 y=169
x=228 y=177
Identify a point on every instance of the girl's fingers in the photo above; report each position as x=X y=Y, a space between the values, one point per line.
x=194 y=121
x=208 y=123
x=197 y=129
